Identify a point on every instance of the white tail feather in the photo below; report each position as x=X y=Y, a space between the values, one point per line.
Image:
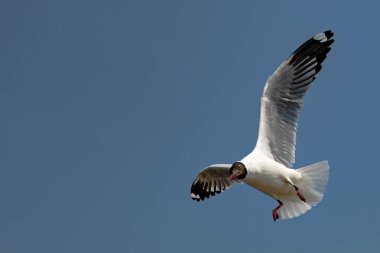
x=312 y=187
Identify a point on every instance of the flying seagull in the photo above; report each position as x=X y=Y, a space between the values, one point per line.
x=268 y=168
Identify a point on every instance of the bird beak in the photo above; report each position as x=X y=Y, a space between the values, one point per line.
x=233 y=177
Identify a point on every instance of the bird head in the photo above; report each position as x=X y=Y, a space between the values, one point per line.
x=237 y=171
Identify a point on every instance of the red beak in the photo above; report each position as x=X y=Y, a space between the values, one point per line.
x=233 y=177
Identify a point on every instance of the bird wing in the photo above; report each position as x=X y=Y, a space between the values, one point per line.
x=283 y=96
x=211 y=180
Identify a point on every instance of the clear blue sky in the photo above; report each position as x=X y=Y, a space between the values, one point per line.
x=110 y=108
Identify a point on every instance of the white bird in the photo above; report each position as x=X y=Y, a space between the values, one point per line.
x=268 y=168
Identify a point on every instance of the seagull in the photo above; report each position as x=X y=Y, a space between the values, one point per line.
x=268 y=168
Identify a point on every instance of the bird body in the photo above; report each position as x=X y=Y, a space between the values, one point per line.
x=268 y=168
x=269 y=176
x=281 y=183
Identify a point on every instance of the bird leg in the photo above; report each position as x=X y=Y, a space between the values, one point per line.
x=274 y=212
x=299 y=194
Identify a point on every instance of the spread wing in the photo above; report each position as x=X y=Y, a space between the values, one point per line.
x=283 y=96
x=211 y=180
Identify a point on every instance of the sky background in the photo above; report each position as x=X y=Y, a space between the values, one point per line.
x=110 y=108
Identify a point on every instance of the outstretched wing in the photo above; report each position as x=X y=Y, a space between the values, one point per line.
x=211 y=180
x=283 y=96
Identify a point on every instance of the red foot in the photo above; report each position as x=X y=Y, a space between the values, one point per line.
x=301 y=197
x=274 y=212
x=299 y=194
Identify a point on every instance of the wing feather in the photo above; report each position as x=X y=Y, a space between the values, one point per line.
x=211 y=180
x=283 y=96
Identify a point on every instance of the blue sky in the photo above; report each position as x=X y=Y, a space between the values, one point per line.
x=110 y=108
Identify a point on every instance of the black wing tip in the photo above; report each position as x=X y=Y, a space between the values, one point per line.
x=318 y=46
x=197 y=192
x=328 y=34
x=324 y=37
x=200 y=190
